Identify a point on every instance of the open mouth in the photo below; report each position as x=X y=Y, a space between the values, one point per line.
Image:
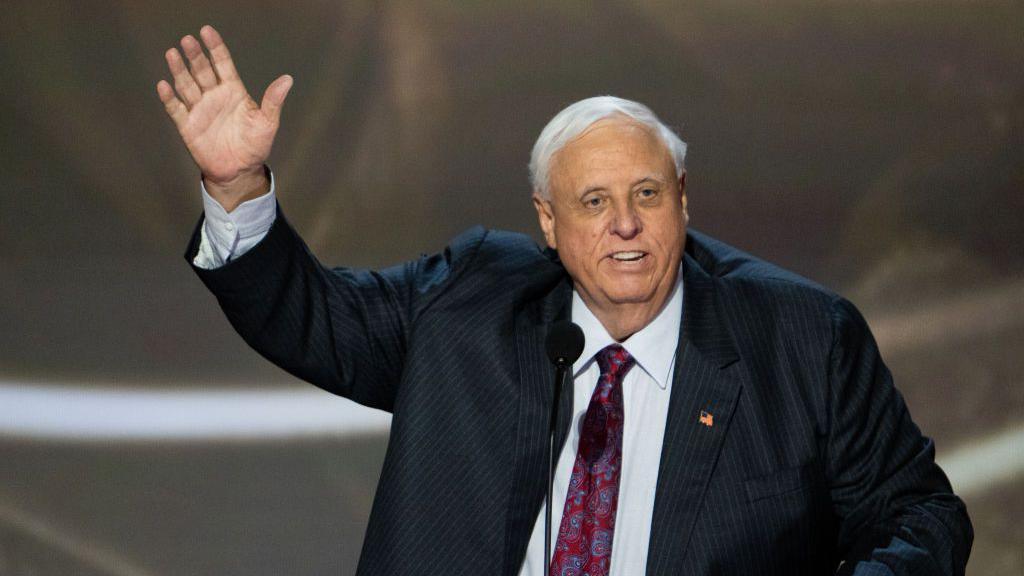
x=632 y=256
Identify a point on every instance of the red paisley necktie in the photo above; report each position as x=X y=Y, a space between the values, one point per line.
x=584 y=545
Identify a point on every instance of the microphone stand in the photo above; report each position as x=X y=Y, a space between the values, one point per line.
x=564 y=345
x=561 y=367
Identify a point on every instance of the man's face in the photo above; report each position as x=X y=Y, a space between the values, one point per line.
x=617 y=217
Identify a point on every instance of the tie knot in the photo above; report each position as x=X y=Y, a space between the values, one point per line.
x=614 y=361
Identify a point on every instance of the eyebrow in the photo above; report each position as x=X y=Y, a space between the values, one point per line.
x=647 y=178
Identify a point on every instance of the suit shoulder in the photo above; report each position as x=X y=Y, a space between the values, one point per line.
x=731 y=267
x=479 y=247
x=500 y=262
x=509 y=252
x=764 y=293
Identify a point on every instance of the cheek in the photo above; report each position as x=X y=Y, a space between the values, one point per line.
x=671 y=228
x=578 y=246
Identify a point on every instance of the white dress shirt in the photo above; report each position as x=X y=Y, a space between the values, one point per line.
x=227 y=235
x=645 y=394
x=645 y=391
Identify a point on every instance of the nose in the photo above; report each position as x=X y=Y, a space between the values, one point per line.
x=625 y=221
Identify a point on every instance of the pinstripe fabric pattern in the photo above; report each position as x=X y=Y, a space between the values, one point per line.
x=811 y=457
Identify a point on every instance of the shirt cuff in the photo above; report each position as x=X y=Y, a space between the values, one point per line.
x=225 y=236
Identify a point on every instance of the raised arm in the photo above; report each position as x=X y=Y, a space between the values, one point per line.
x=228 y=135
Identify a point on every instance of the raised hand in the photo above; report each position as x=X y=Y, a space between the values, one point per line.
x=227 y=133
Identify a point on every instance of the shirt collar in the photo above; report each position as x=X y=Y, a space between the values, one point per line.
x=653 y=347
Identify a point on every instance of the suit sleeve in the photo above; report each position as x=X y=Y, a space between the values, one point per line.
x=898 y=514
x=343 y=329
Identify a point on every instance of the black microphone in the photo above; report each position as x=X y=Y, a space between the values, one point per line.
x=564 y=345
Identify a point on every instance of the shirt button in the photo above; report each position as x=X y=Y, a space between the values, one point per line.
x=229 y=226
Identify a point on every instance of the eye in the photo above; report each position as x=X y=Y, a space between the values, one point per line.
x=648 y=193
x=592 y=202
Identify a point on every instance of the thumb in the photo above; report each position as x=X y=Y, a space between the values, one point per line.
x=274 y=97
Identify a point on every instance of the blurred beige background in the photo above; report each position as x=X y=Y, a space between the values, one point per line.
x=874 y=146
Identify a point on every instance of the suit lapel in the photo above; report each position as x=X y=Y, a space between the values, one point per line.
x=536 y=376
x=705 y=390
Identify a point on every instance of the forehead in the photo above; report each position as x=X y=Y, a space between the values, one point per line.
x=611 y=149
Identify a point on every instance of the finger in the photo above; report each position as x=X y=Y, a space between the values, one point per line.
x=183 y=81
x=274 y=97
x=200 y=66
x=175 y=109
x=219 y=54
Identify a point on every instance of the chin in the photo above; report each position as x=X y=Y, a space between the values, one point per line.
x=630 y=297
x=628 y=288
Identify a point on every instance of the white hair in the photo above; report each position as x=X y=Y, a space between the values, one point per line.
x=572 y=121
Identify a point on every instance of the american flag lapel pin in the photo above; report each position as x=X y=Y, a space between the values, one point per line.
x=707 y=418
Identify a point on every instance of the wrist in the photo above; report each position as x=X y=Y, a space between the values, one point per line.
x=245 y=186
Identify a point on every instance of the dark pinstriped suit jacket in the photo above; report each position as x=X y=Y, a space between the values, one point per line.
x=812 y=457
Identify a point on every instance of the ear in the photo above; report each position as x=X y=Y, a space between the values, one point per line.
x=546 y=218
x=682 y=198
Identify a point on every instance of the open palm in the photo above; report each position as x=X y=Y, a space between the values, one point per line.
x=227 y=133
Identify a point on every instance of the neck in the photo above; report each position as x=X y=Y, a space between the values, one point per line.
x=623 y=320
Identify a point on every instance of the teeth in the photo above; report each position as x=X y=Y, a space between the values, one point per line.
x=627 y=255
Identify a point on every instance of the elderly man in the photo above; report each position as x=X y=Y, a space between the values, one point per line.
x=725 y=417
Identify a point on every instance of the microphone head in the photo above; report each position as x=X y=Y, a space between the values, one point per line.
x=564 y=343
